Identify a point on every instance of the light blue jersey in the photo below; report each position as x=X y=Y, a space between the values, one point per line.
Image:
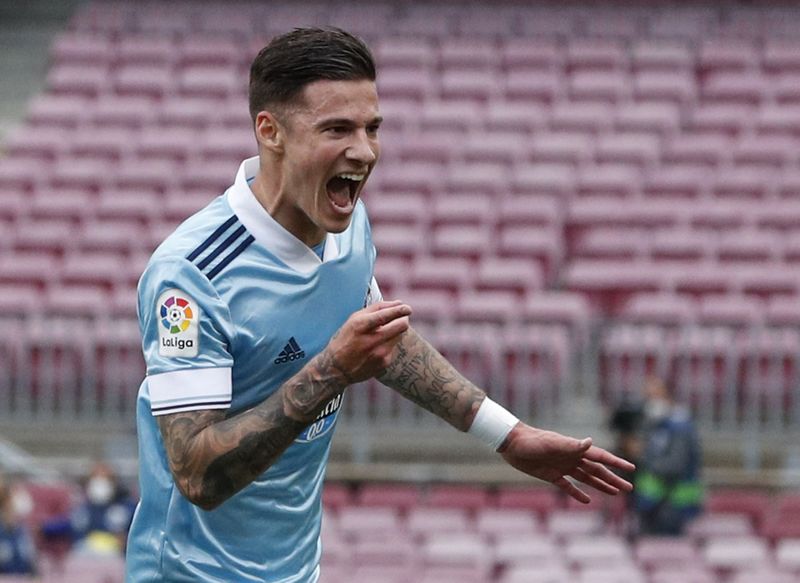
x=230 y=306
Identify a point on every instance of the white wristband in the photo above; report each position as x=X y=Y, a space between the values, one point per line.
x=492 y=423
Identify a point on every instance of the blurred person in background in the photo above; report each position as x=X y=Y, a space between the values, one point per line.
x=99 y=523
x=17 y=548
x=259 y=311
x=668 y=491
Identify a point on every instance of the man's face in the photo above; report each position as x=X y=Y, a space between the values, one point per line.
x=330 y=148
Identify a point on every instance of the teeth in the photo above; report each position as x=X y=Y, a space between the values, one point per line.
x=353 y=177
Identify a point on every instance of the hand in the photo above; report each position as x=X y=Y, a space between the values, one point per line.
x=364 y=346
x=552 y=457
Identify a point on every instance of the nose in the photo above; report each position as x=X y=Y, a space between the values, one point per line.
x=363 y=149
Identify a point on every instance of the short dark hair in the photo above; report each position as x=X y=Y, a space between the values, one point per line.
x=283 y=68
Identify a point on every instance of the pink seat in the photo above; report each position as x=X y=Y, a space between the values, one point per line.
x=730 y=552
x=661 y=54
x=691 y=148
x=455 y=53
x=567 y=524
x=559 y=179
x=655 y=117
x=431 y=522
x=599 y=86
x=57 y=110
x=97 y=270
x=507 y=524
x=211 y=50
x=720 y=117
x=364 y=522
x=61 y=205
x=81 y=49
x=530 y=210
x=617 y=180
x=716 y=55
x=451 y=274
x=125 y=112
x=662 y=308
x=397 y=240
x=501 y=147
x=448 y=115
x=545 y=245
x=412 y=83
x=611 y=244
x=462 y=240
x=549 y=572
x=470 y=84
x=386 y=208
x=782 y=311
x=144 y=81
x=586 y=551
x=681 y=245
x=595 y=54
x=658 y=85
x=101 y=144
x=655 y=552
x=208 y=81
x=529 y=52
x=457 y=496
x=484 y=179
x=562 y=307
x=456 y=557
x=591 y=116
x=540 y=500
x=534 y=85
x=519 y=117
x=745 y=182
x=400 y=496
x=561 y=147
x=715 y=526
x=461 y=209
x=145 y=50
x=518 y=275
x=78 y=80
x=753 y=503
x=93 y=569
x=628 y=148
x=730 y=310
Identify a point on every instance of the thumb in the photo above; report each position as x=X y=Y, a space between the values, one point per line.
x=584 y=444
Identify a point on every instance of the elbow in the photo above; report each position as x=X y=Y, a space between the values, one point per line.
x=198 y=494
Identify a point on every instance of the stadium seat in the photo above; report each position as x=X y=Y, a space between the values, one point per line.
x=471 y=498
x=728 y=552
x=507 y=524
x=432 y=522
x=400 y=496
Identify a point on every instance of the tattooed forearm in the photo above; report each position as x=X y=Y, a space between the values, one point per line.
x=212 y=457
x=421 y=374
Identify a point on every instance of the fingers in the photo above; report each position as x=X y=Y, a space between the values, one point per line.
x=572 y=490
x=597 y=454
x=606 y=475
x=594 y=482
x=383 y=315
x=394 y=328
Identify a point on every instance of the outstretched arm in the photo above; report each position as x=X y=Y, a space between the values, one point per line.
x=420 y=373
x=212 y=457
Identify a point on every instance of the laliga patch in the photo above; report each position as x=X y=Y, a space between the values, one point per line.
x=179 y=321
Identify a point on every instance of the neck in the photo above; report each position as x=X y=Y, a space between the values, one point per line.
x=272 y=196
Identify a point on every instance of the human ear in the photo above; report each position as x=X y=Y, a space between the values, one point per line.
x=270 y=133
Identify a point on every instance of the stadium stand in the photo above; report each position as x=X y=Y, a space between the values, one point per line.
x=571 y=197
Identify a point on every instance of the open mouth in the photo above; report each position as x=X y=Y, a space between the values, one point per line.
x=342 y=190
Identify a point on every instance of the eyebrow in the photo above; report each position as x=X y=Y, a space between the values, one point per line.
x=335 y=121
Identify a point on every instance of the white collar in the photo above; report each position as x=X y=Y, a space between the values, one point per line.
x=267 y=231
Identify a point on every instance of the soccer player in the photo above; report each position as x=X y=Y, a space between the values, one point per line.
x=259 y=311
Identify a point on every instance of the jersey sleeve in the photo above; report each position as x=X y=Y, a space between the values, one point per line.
x=186 y=336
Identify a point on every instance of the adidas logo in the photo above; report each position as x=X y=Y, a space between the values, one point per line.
x=291 y=351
